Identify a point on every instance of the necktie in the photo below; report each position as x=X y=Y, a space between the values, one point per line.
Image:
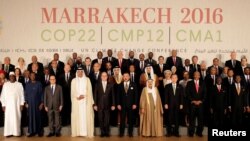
x=217 y=70
x=213 y=79
x=126 y=87
x=203 y=74
x=174 y=60
x=109 y=59
x=219 y=88
x=234 y=63
x=142 y=67
x=174 y=88
x=197 y=86
x=161 y=67
x=88 y=70
x=96 y=76
x=238 y=88
x=196 y=67
x=104 y=87
x=132 y=77
x=52 y=90
x=67 y=78
x=7 y=68
x=120 y=63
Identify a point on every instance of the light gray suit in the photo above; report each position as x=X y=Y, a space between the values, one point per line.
x=53 y=101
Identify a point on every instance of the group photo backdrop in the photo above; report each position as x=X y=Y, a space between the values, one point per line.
x=208 y=29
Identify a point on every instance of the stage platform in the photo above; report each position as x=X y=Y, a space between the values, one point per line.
x=114 y=131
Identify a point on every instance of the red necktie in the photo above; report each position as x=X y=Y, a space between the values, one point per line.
x=174 y=60
x=219 y=88
x=197 y=86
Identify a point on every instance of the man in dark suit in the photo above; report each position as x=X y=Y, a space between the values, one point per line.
x=39 y=75
x=203 y=71
x=233 y=63
x=134 y=78
x=54 y=70
x=174 y=60
x=240 y=71
x=45 y=78
x=160 y=68
x=60 y=64
x=104 y=98
x=159 y=71
x=109 y=69
x=194 y=66
x=229 y=80
x=174 y=95
x=237 y=102
x=53 y=103
x=35 y=61
x=121 y=62
x=78 y=64
x=110 y=58
x=218 y=68
x=196 y=92
x=74 y=57
x=87 y=66
x=218 y=103
x=246 y=77
x=141 y=65
x=150 y=59
x=7 y=67
x=99 y=60
x=186 y=66
x=127 y=103
x=95 y=75
x=65 y=81
x=132 y=60
x=210 y=81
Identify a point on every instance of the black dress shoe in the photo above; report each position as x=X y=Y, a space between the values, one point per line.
x=177 y=135
x=58 y=134
x=107 y=135
x=130 y=135
x=169 y=135
x=121 y=135
x=199 y=134
x=50 y=134
x=40 y=134
x=31 y=135
x=191 y=135
x=102 y=135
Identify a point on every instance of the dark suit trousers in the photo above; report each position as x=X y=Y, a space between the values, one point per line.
x=103 y=116
x=196 y=111
x=54 y=121
x=237 y=117
x=127 y=112
x=173 y=117
x=219 y=118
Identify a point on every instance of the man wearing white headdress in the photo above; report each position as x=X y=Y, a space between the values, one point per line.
x=82 y=115
x=12 y=99
x=148 y=74
x=151 y=111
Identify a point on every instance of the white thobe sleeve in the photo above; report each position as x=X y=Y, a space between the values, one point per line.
x=2 y=98
x=21 y=97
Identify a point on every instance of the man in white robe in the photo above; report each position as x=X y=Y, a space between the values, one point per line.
x=82 y=115
x=12 y=99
